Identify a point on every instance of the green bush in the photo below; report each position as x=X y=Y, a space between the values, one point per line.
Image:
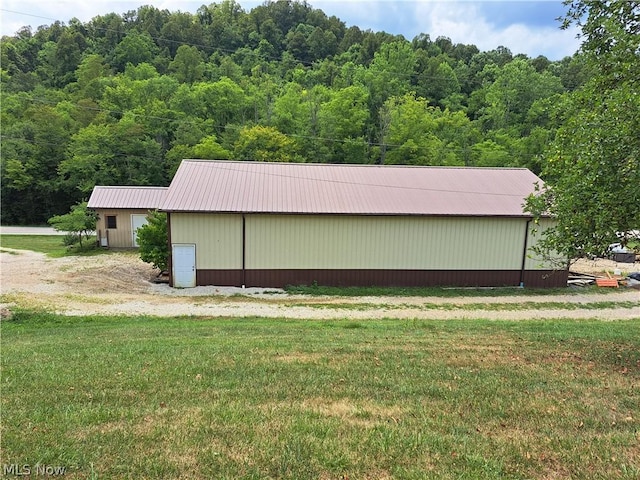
x=153 y=241
x=70 y=239
x=79 y=222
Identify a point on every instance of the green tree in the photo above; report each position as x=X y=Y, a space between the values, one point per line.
x=390 y=72
x=221 y=23
x=34 y=142
x=209 y=149
x=122 y=99
x=516 y=87
x=488 y=153
x=180 y=28
x=593 y=167
x=153 y=241
x=105 y=31
x=119 y=154
x=90 y=76
x=135 y=48
x=187 y=66
x=79 y=222
x=341 y=121
x=68 y=54
x=265 y=144
x=223 y=101
x=290 y=113
x=412 y=133
x=436 y=79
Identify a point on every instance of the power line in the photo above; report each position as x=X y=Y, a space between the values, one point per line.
x=111 y=154
x=233 y=127
x=225 y=127
x=28 y=14
x=446 y=148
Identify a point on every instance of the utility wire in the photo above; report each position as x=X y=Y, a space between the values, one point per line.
x=225 y=127
x=221 y=166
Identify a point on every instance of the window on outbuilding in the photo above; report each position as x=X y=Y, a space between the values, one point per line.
x=111 y=221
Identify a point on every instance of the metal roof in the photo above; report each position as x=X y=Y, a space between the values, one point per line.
x=303 y=188
x=127 y=197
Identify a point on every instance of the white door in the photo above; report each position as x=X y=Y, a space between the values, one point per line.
x=183 y=265
x=137 y=221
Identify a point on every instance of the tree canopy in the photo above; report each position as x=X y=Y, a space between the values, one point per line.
x=121 y=99
x=593 y=166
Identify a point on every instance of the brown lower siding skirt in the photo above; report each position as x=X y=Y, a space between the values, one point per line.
x=396 y=278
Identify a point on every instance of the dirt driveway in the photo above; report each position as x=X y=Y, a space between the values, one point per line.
x=119 y=284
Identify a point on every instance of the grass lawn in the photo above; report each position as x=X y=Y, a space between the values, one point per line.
x=321 y=290
x=50 y=244
x=117 y=397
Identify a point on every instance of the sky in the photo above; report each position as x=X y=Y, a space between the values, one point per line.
x=523 y=26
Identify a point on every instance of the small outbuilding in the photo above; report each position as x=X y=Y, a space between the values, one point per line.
x=121 y=211
x=277 y=224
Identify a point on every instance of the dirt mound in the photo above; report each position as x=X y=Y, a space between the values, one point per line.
x=602 y=265
x=118 y=272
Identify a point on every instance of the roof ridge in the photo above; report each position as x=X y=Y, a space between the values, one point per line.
x=130 y=186
x=364 y=165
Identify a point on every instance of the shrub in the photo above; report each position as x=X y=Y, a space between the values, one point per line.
x=153 y=241
x=78 y=222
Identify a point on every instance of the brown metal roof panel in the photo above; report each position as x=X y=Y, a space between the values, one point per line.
x=129 y=197
x=347 y=189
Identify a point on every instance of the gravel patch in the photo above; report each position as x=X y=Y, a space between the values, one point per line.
x=120 y=284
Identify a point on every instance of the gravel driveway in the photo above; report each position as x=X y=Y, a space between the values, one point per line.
x=119 y=284
x=4 y=230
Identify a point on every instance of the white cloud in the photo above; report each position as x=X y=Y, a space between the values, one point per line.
x=465 y=22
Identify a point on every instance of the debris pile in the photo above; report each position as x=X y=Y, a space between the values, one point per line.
x=577 y=279
x=580 y=279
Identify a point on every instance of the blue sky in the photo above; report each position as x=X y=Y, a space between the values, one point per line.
x=523 y=26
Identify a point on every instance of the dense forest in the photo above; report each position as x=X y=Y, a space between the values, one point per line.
x=123 y=98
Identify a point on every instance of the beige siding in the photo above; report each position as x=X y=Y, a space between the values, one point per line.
x=534 y=261
x=218 y=238
x=121 y=236
x=346 y=242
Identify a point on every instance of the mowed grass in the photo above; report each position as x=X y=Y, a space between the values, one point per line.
x=116 y=397
x=447 y=292
x=52 y=245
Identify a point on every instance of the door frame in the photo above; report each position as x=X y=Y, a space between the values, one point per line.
x=175 y=283
x=134 y=242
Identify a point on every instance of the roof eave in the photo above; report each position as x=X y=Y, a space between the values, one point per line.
x=347 y=214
